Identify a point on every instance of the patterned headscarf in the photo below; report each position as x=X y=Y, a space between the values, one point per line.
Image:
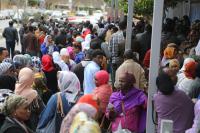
x=81 y=107
x=13 y=102
x=4 y=67
x=69 y=84
x=84 y=124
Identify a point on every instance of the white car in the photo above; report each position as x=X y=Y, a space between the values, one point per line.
x=81 y=13
x=56 y=14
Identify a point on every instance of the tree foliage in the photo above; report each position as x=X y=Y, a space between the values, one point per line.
x=33 y=2
x=144 y=7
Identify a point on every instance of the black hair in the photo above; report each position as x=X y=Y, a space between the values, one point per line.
x=31 y=28
x=164 y=83
x=148 y=28
x=95 y=43
x=2 y=49
x=97 y=52
x=110 y=26
x=198 y=70
x=88 y=54
x=115 y=29
x=122 y=25
x=11 y=23
x=128 y=54
x=78 y=46
x=7 y=82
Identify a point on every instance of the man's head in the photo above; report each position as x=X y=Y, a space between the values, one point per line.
x=11 y=23
x=88 y=54
x=3 y=53
x=128 y=54
x=31 y=28
x=77 y=47
x=122 y=25
x=97 y=56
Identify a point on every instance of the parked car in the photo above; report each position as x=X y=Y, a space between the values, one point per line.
x=82 y=13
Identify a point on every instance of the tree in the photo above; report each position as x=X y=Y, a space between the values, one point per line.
x=33 y=2
x=145 y=7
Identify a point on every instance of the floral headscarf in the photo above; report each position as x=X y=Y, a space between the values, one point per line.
x=69 y=84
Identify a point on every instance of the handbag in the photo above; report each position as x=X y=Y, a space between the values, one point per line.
x=54 y=125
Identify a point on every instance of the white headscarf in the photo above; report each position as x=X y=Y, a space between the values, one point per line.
x=51 y=47
x=46 y=39
x=187 y=60
x=69 y=84
x=86 y=43
x=61 y=63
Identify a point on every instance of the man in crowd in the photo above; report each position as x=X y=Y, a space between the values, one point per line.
x=11 y=35
x=31 y=43
x=91 y=69
x=3 y=54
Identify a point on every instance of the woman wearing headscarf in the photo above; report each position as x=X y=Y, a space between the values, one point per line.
x=50 y=73
x=69 y=86
x=174 y=65
x=188 y=78
x=127 y=106
x=172 y=104
x=103 y=90
x=82 y=123
x=80 y=107
x=40 y=86
x=61 y=63
x=6 y=68
x=48 y=47
x=170 y=52
x=24 y=88
x=16 y=109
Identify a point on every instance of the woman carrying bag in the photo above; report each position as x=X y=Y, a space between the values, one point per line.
x=59 y=104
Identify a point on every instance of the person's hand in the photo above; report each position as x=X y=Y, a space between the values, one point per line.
x=112 y=113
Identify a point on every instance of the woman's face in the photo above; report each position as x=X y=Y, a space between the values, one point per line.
x=174 y=68
x=50 y=39
x=22 y=113
x=124 y=86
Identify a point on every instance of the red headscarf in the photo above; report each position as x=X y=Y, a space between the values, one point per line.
x=146 y=61
x=190 y=69
x=102 y=77
x=89 y=99
x=47 y=63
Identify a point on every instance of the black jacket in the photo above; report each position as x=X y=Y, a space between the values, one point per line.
x=11 y=126
x=11 y=35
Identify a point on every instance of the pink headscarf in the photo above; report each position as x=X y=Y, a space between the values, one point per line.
x=24 y=86
x=102 y=77
x=103 y=89
x=71 y=52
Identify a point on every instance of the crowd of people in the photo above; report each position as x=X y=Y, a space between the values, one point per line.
x=75 y=78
